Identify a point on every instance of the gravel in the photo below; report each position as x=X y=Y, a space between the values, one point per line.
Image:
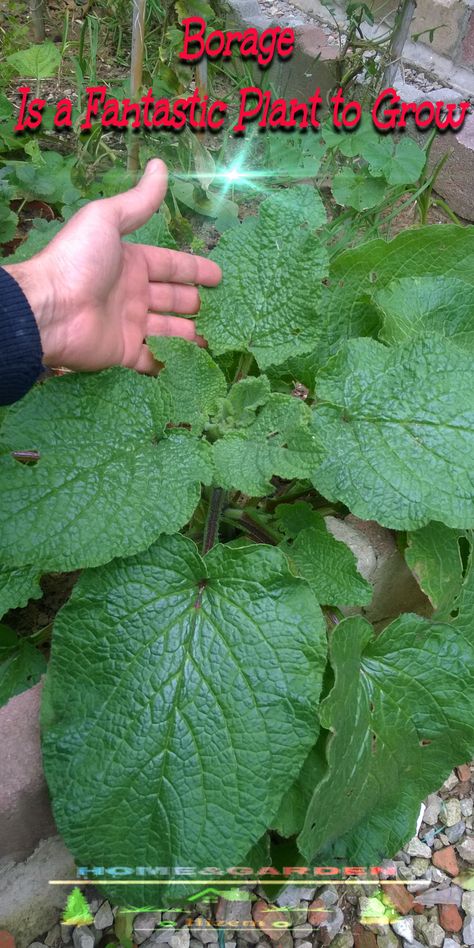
x=445 y=835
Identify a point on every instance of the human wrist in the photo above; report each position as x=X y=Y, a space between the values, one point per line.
x=37 y=284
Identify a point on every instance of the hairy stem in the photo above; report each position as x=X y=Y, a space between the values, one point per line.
x=216 y=505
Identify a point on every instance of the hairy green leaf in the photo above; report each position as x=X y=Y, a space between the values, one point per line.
x=400 y=713
x=109 y=478
x=243 y=400
x=279 y=442
x=414 y=305
x=396 y=427
x=21 y=664
x=192 y=382
x=173 y=679
x=328 y=565
x=356 y=274
x=291 y=815
x=269 y=299
x=17 y=586
x=434 y=558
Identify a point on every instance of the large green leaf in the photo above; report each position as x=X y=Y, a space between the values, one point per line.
x=328 y=565
x=17 y=586
x=109 y=479
x=434 y=558
x=396 y=427
x=279 y=442
x=269 y=299
x=413 y=305
x=40 y=61
x=193 y=383
x=357 y=189
x=401 y=715
x=349 y=310
x=181 y=702
x=291 y=815
x=21 y=664
x=463 y=609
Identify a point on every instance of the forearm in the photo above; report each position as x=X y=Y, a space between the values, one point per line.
x=21 y=353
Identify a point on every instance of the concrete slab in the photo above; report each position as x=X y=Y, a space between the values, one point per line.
x=25 y=810
x=28 y=904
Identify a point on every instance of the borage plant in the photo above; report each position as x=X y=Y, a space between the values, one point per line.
x=206 y=703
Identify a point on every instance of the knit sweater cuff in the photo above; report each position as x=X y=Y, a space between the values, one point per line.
x=20 y=342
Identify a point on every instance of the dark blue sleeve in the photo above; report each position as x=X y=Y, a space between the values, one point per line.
x=20 y=343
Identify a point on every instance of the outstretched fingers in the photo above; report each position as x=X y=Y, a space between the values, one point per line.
x=173 y=326
x=174 y=266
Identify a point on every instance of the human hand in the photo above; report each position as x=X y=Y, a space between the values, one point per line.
x=96 y=298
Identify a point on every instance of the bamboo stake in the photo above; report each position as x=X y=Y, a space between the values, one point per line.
x=37 y=19
x=405 y=14
x=136 y=75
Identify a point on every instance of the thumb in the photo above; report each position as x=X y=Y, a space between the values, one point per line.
x=134 y=208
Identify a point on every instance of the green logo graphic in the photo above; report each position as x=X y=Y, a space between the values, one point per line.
x=77 y=911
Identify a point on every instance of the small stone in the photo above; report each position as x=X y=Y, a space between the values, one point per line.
x=399 y=897
x=464 y=772
x=450 y=918
x=450 y=812
x=404 y=928
x=82 y=937
x=468 y=902
x=468 y=930
x=204 y=931
x=454 y=833
x=429 y=838
x=318 y=913
x=343 y=940
x=418 y=867
x=450 y=943
x=417 y=848
x=334 y=924
x=66 y=933
x=34 y=944
x=438 y=876
x=269 y=919
x=433 y=806
x=161 y=937
x=180 y=939
x=445 y=859
x=363 y=938
x=421 y=886
x=53 y=938
x=104 y=918
x=449 y=895
x=451 y=782
x=437 y=844
x=291 y=896
x=413 y=944
x=329 y=895
x=434 y=934
x=233 y=911
x=144 y=924
x=298 y=944
x=466 y=807
x=387 y=940
x=466 y=849
x=302 y=931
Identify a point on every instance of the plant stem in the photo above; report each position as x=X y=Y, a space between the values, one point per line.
x=243 y=367
x=216 y=505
